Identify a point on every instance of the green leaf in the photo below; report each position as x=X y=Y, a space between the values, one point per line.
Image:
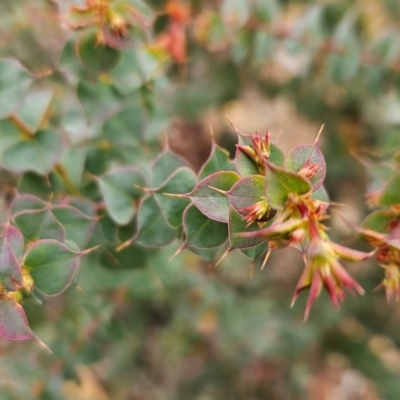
x=14 y=84
x=9 y=135
x=39 y=224
x=276 y=155
x=244 y=164
x=255 y=252
x=201 y=231
x=307 y=155
x=279 y=183
x=210 y=202
x=27 y=202
x=246 y=192
x=382 y=221
x=52 y=265
x=78 y=227
x=11 y=248
x=166 y=164
x=345 y=65
x=39 y=154
x=13 y=321
x=119 y=193
x=35 y=106
x=390 y=195
x=217 y=161
x=99 y=100
x=153 y=229
x=238 y=225
x=73 y=160
x=182 y=181
x=136 y=68
x=320 y=194
x=96 y=57
x=125 y=129
x=208 y=254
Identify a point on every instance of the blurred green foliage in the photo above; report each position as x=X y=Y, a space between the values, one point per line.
x=85 y=98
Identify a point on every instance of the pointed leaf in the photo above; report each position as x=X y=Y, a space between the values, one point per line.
x=390 y=195
x=97 y=58
x=210 y=202
x=11 y=248
x=164 y=167
x=182 y=181
x=255 y=252
x=382 y=221
x=34 y=108
x=39 y=224
x=217 y=161
x=279 y=183
x=39 y=154
x=153 y=229
x=246 y=166
x=14 y=84
x=52 y=265
x=78 y=227
x=99 y=100
x=119 y=193
x=13 y=321
x=237 y=225
x=201 y=231
x=306 y=155
x=320 y=194
x=246 y=192
x=27 y=202
x=208 y=254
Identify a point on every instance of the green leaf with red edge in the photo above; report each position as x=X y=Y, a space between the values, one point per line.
x=39 y=224
x=97 y=58
x=153 y=229
x=27 y=202
x=237 y=225
x=182 y=181
x=245 y=165
x=280 y=183
x=120 y=193
x=78 y=226
x=320 y=194
x=217 y=161
x=246 y=192
x=39 y=154
x=86 y=206
x=11 y=249
x=99 y=100
x=255 y=252
x=35 y=106
x=52 y=265
x=382 y=221
x=13 y=321
x=390 y=194
x=306 y=155
x=208 y=254
x=14 y=84
x=276 y=155
x=213 y=203
x=166 y=164
x=201 y=231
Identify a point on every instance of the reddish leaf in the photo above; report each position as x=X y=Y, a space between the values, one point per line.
x=214 y=203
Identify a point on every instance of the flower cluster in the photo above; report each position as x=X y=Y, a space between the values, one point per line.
x=294 y=191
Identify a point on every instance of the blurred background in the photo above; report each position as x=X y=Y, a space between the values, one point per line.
x=141 y=327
